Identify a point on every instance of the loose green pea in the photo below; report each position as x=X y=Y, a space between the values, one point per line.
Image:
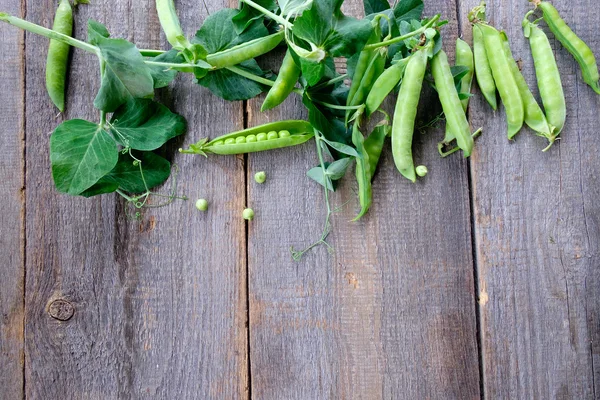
x=261 y=137
x=202 y=204
x=230 y=141
x=248 y=214
x=284 y=134
x=240 y=140
x=422 y=171
x=272 y=135
x=251 y=139
x=260 y=177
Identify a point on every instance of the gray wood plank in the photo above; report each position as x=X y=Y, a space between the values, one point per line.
x=159 y=304
x=392 y=313
x=537 y=232
x=12 y=224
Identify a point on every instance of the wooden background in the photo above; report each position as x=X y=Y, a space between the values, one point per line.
x=480 y=281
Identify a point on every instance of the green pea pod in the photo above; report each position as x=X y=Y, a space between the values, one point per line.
x=363 y=172
x=383 y=86
x=577 y=47
x=245 y=51
x=483 y=72
x=464 y=58
x=456 y=118
x=374 y=71
x=534 y=116
x=548 y=78
x=58 y=55
x=406 y=114
x=284 y=85
x=375 y=142
x=275 y=135
x=505 y=82
x=364 y=60
x=167 y=15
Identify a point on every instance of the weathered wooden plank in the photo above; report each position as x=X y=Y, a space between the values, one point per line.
x=160 y=304
x=392 y=313
x=12 y=224
x=537 y=232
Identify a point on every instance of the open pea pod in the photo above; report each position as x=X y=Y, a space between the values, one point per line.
x=275 y=135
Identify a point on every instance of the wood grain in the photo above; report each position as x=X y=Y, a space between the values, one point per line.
x=160 y=304
x=12 y=207
x=392 y=314
x=537 y=232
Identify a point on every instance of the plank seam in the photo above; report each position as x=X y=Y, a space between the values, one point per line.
x=476 y=288
x=23 y=188
x=246 y=238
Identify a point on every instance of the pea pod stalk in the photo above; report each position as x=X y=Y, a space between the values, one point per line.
x=577 y=47
x=271 y=136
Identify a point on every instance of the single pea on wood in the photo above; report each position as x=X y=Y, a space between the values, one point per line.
x=260 y=177
x=271 y=136
x=248 y=214
x=202 y=204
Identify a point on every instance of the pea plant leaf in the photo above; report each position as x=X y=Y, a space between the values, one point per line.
x=143 y=124
x=375 y=6
x=231 y=86
x=218 y=32
x=293 y=8
x=247 y=15
x=153 y=171
x=96 y=32
x=164 y=76
x=125 y=74
x=408 y=10
x=325 y=26
x=81 y=153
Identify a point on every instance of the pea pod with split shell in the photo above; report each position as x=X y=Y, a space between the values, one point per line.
x=271 y=136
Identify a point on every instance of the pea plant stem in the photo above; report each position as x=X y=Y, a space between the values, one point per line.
x=269 y=14
x=49 y=33
x=404 y=37
x=251 y=76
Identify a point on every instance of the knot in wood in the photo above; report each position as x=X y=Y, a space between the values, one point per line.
x=61 y=310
